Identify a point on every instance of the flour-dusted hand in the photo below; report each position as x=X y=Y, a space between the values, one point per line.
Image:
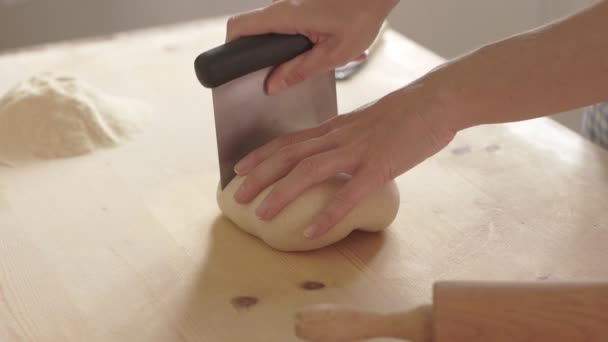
x=341 y=30
x=374 y=144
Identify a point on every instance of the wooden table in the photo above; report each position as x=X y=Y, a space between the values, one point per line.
x=127 y=244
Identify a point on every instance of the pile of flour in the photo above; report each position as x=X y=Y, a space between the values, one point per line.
x=56 y=116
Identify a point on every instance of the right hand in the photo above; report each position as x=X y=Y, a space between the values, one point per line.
x=341 y=30
x=374 y=144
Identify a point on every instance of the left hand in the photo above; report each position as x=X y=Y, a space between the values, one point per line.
x=374 y=144
x=341 y=30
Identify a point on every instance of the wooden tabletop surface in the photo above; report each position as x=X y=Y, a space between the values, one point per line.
x=127 y=244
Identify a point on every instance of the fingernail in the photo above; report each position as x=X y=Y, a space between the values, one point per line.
x=310 y=232
x=263 y=210
x=276 y=87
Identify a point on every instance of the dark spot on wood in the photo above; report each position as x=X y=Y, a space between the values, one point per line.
x=459 y=151
x=170 y=48
x=243 y=302
x=104 y=209
x=312 y=285
x=492 y=148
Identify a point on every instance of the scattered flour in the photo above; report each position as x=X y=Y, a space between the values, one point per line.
x=56 y=116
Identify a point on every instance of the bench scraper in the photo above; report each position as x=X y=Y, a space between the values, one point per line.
x=245 y=116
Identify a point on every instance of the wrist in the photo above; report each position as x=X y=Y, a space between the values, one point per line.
x=448 y=101
x=422 y=112
x=436 y=106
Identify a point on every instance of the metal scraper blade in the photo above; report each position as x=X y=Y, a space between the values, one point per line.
x=246 y=118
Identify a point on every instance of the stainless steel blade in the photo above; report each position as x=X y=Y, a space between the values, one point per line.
x=246 y=118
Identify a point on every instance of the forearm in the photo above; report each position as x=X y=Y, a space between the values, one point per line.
x=555 y=68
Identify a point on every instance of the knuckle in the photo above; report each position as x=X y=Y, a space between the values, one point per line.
x=342 y=204
x=285 y=139
x=288 y=155
x=343 y=201
x=336 y=122
x=252 y=181
x=337 y=136
x=233 y=27
x=277 y=197
x=294 y=77
x=350 y=158
x=376 y=177
x=231 y=20
x=328 y=126
x=330 y=132
x=255 y=156
x=327 y=219
x=232 y=23
x=309 y=169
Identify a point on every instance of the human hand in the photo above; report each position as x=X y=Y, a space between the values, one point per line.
x=373 y=144
x=341 y=30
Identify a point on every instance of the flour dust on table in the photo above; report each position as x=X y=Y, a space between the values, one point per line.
x=286 y=231
x=52 y=115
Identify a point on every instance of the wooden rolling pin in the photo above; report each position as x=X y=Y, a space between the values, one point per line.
x=474 y=312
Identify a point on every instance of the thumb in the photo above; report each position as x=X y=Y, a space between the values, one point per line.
x=307 y=65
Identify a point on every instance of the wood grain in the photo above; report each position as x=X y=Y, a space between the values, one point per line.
x=127 y=244
x=541 y=312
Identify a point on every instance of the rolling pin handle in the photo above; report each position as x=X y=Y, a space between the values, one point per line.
x=340 y=323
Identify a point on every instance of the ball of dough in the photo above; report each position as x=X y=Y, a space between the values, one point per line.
x=285 y=231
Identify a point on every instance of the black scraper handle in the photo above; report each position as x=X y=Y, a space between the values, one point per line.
x=245 y=55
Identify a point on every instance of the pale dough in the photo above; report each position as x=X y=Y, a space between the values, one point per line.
x=53 y=115
x=285 y=232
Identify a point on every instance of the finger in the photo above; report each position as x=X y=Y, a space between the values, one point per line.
x=274 y=18
x=259 y=155
x=319 y=59
x=308 y=172
x=277 y=166
x=345 y=200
